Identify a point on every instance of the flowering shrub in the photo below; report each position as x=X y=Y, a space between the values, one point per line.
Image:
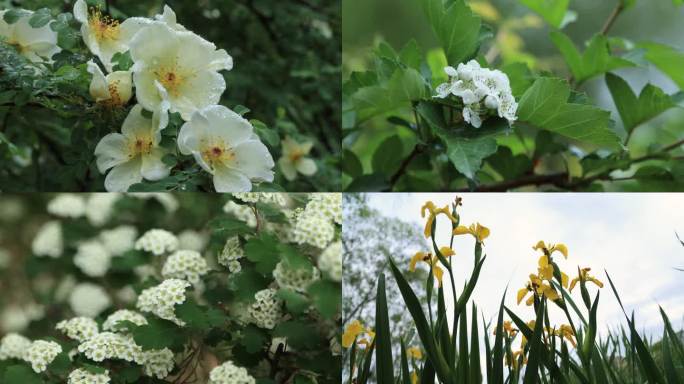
x=188 y=291
x=483 y=113
x=444 y=348
x=123 y=103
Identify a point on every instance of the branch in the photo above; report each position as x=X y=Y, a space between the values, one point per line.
x=404 y=164
x=612 y=17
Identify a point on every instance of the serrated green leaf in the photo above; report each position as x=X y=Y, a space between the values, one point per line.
x=192 y=314
x=298 y=334
x=157 y=334
x=296 y=303
x=40 y=18
x=667 y=59
x=387 y=157
x=351 y=165
x=545 y=106
x=326 y=297
x=21 y=374
x=263 y=251
x=634 y=111
x=457 y=28
x=253 y=339
x=552 y=11
x=595 y=60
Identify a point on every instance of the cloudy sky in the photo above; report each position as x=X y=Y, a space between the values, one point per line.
x=632 y=236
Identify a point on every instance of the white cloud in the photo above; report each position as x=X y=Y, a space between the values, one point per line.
x=632 y=236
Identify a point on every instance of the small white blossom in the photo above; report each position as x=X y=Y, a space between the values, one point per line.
x=13 y=346
x=229 y=373
x=225 y=145
x=186 y=265
x=241 y=212
x=313 y=228
x=295 y=159
x=481 y=90
x=108 y=345
x=192 y=240
x=330 y=261
x=276 y=198
x=67 y=205
x=231 y=254
x=81 y=376
x=162 y=299
x=78 y=328
x=295 y=279
x=119 y=240
x=327 y=204
x=115 y=89
x=266 y=309
x=48 y=241
x=134 y=154
x=92 y=258
x=158 y=363
x=112 y=320
x=32 y=43
x=99 y=207
x=41 y=353
x=157 y=241
x=89 y=300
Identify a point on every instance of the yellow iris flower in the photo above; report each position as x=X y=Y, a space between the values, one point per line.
x=549 y=249
x=414 y=352
x=427 y=258
x=584 y=276
x=565 y=331
x=538 y=286
x=353 y=330
x=414 y=377
x=509 y=330
x=545 y=269
x=433 y=211
x=480 y=232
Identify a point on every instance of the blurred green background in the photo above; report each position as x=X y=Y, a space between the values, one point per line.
x=524 y=37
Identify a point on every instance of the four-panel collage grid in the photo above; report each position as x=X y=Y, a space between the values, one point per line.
x=341 y=191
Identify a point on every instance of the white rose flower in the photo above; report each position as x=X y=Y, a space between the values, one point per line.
x=177 y=67
x=295 y=159
x=169 y=18
x=32 y=43
x=225 y=145
x=134 y=153
x=115 y=89
x=104 y=36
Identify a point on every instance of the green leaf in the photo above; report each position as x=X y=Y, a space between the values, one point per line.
x=553 y=12
x=457 y=28
x=247 y=282
x=268 y=135
x=634 y=111
x=326 y=296
x=129 y=260
x=157 y=334
x=192 y=314
x=351 y=165
x=263 y=251
x=123 y=61
x=40 y=18
x=667 y=59
x=595 y=60
x=228 y=226
x=296 y=303
x=626 y=4
x=298 y=334
x=545 y=106
x=520 y=77
x=368 y=183
x=466 y=152
x=383 y=350
x=253 y=339
x=387 y=157
x=411 y=55
x=21 y=374
x=129 y=374
x=13 y=15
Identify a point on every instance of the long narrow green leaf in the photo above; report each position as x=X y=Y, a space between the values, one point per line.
x=384 y=363
x=428 y=373
x=670 y=372
x=531 y=372
x=463 y=360
x=405 y=375
x=352 y=361
x=488 y=350
x=497 y=376
x=364 y=373
x=475 y=369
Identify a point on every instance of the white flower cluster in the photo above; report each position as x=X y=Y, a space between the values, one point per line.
x=241 y=212
x=110 y=324
x=266 y=309
x=482 y=90
x=87 y=299
x=41 y=353
x=330 y=261
x=262 y=197
x=81 y=376
x=119 y=240
x=157 y=241
x=158 y=362
x=297 y=279
x=316 y=224
x=13 y=346
x=108 y=345
x=99 y=207
x=48 y=241
x=229 y=373
x=186 y=265
x=192 y=240
x=161 y=299
x=92 y=258
x=67 y=205
x=231 y=254
x=78 y=328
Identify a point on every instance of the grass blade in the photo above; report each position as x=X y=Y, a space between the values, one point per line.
x=384 y=364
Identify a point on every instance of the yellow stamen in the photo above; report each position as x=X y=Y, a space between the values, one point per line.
x=104 y=27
